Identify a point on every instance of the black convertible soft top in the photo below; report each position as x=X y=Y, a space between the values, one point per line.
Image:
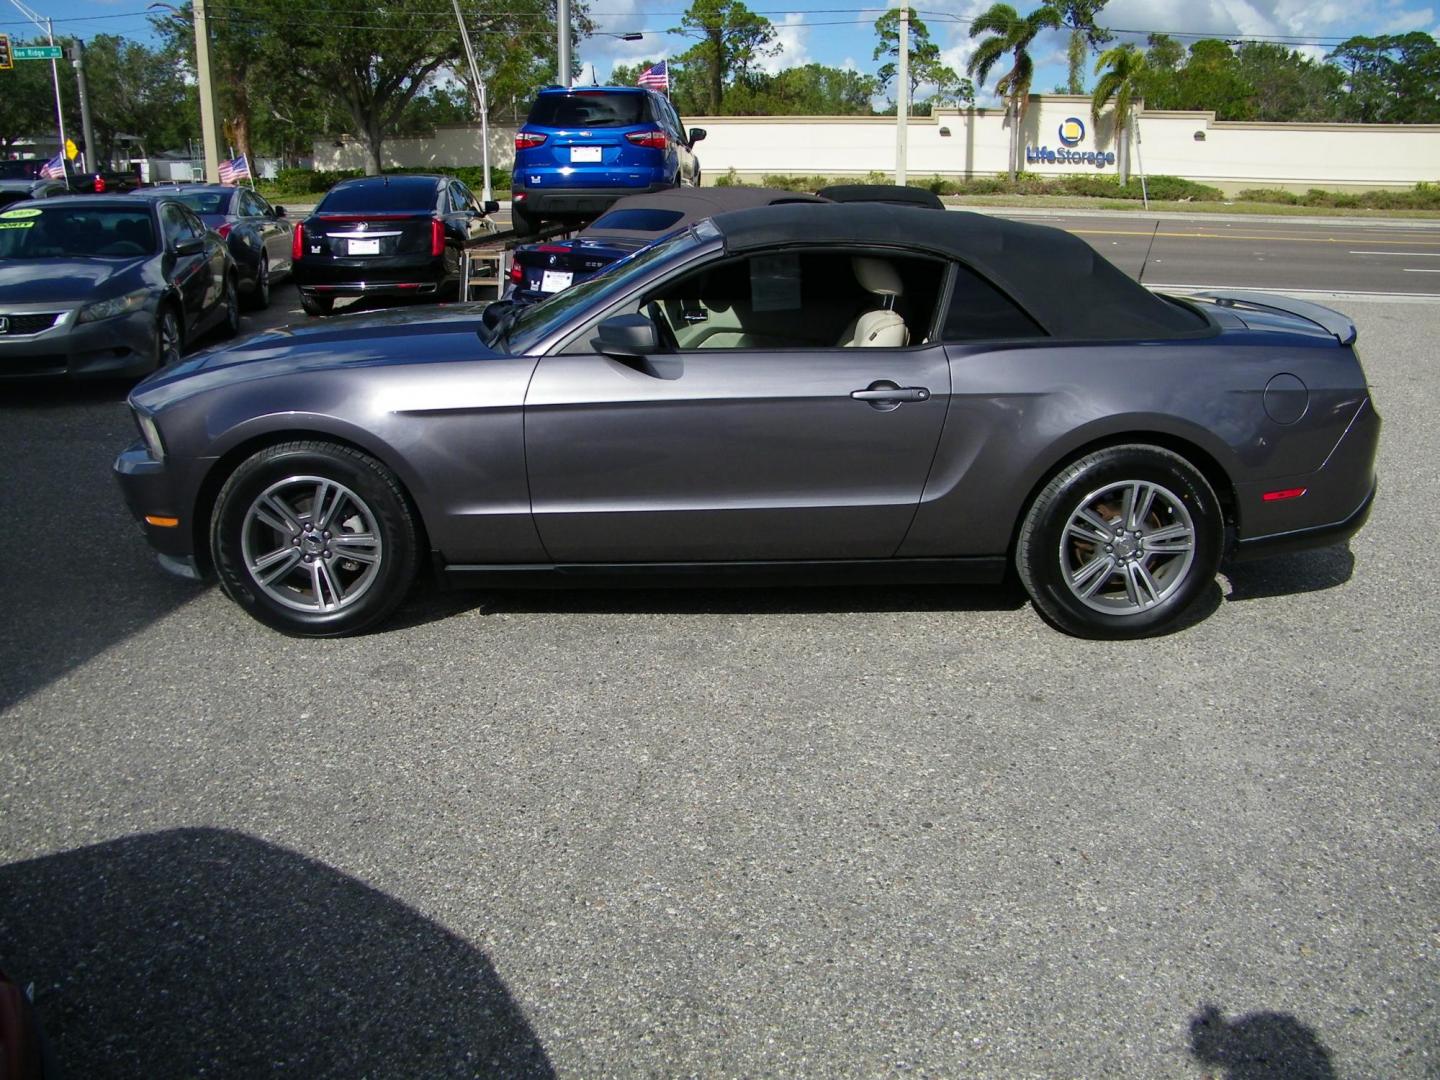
x=1061 y=281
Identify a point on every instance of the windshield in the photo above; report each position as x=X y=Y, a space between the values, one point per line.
x=536 y=321
x=67 y=231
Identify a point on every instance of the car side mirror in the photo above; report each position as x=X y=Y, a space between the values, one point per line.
x=193 y=245
x=626 y=337
x=279 y=211
x=696 y=135
x=492 y=206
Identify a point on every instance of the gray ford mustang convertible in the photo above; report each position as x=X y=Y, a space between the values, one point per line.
x=784 y=395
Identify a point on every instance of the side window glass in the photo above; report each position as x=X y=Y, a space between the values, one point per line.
x=675 y=121
x=192 y=225
x=979 y=311
x=252 y=205
x=173 y=224
x=465 y=199
x=798 y=300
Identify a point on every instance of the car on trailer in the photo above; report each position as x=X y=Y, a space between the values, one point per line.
x=537 y=270
x=582 y=148
x=392 y=236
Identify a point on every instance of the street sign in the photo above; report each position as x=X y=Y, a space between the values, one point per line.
x=71 y=150
x=38 y=52
x=6 y=60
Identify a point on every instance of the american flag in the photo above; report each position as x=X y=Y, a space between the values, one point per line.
x=234 y=170
x=54 y=169
x=655 y=77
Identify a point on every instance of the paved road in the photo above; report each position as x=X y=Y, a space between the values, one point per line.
x=853 y=832
x=1333 y=255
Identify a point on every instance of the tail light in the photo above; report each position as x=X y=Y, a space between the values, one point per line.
x=527 y=140
x=654 y=140
x=517 y=273
x=99 y=185
x=437 y=237
x=297 y=242
x=224 y=230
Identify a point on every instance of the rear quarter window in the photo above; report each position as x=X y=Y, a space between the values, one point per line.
x=979 y=311
x=587 y=110
x=394 y=198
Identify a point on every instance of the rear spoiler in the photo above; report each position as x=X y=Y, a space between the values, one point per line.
x=1330 y=321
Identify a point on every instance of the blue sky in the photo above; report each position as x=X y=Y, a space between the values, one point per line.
x=819 y=30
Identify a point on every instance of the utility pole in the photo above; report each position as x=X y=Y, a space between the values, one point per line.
x=209 y=131
x=562 y=43
x=480 y=93
x=77 y=57
x=902 y=97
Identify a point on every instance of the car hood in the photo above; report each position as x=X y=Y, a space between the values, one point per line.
x=68 y=281
x=446 y=333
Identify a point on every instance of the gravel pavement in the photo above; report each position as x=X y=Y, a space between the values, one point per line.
x=837 y=832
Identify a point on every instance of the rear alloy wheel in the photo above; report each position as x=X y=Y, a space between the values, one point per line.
x=260 y=295
x=317 y=305
x=231 y=326
x=1121 y=544
x=169 y=338
x=314 y=539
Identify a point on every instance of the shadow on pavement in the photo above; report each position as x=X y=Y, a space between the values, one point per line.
x=1297 y=572
x=75 y=575
x=1259 y=1046
x=201 y=952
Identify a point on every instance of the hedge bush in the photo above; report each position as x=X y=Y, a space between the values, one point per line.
x=1422 y=196
x=319 y=181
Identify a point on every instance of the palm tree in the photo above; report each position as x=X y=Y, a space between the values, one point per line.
x=1010 y=33
x=1125 y=71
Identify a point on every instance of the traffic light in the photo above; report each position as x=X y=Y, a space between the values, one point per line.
x=7 y=58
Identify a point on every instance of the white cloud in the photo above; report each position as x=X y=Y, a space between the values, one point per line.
x=793 y=36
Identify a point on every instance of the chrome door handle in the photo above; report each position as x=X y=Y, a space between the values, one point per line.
x=885 y=393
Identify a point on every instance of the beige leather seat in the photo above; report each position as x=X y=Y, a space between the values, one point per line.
x=882 y=328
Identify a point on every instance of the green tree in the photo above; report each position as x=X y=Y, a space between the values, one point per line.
x=1393 y=78
x=27 y=100
x=1010 y=32
x=1287 y=86
x=1123 y=74
x=1078 y=16
x=732 y=39
x=925 y=65
x=809 y=90
x=134 y=90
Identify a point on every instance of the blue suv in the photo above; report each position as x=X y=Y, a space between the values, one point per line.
x=583 y=148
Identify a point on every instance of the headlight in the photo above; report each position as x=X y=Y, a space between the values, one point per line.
x=108 y=309
x=151 y=434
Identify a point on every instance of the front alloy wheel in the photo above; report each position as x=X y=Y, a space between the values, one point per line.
x=314 y=539
x=1121 y=544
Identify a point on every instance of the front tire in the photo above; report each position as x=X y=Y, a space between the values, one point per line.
x=1121 y=544
x=314 y=539
x=169 y=337
x=230 y=325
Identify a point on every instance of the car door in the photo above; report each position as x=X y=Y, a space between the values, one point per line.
x=191 y=272
x=274 y=232
x=758 y=436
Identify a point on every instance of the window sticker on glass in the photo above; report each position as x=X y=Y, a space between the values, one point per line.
x=775 y=283
x=23 y=212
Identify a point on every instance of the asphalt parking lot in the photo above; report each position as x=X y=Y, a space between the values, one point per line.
x=852 y=832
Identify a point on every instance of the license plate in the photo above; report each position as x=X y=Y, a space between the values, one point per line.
x=584 y=153
x=554 y=280
x=364 y=247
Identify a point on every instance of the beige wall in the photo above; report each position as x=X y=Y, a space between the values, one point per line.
x=974 y=143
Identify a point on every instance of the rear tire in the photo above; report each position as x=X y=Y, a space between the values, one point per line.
x=317 y=305
x=314 y=539
x=1121 y=544
x=260 y=295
